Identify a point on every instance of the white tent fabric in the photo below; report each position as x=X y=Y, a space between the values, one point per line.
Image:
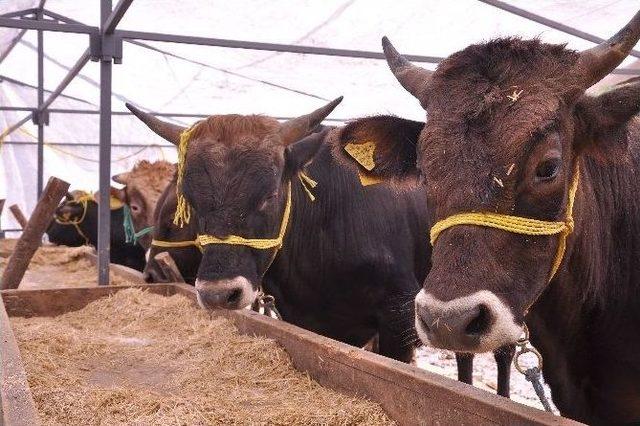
x=197 y=79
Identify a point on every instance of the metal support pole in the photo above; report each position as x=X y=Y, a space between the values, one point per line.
x=549 y=23
x=40 y=118
x=52 y=97
x=104 y=213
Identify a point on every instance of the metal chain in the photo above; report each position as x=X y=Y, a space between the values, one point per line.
x=267 y=303
x=532 y=374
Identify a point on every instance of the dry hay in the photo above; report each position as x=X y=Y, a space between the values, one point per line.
x=141 y=358
x=60 y=266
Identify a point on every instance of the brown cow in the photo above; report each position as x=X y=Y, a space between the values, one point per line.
x=144 y=185
x=509 y=122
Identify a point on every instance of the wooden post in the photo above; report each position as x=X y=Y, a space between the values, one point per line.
x=17 y=213
x=169 y=267
x=32 y=233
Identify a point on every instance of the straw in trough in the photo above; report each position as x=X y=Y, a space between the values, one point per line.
x=141 y=358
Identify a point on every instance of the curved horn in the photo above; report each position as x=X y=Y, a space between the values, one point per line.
x=168 y=131
x=297 y=128
x=595 y=63
x=413 y=78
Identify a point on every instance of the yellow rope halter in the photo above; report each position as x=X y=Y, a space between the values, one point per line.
x=83 y=200
x=519 y=225
x=174 y=244
x=183 y=211
x=256 y=243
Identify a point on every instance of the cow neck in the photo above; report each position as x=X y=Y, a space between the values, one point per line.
x=606 y=235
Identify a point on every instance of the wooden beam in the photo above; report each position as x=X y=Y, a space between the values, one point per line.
x=169 y=267
x=17 y=213
x=32 y=233
x=408 y=394
x=124 y=272
x=17 y=407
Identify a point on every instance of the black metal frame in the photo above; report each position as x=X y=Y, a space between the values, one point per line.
x=105 y=46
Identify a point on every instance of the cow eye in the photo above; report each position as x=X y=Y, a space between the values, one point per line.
x=135 y=208
x=548 y=169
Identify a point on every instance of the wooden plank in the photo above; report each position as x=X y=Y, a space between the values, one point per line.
x=409 y=395
x=17 y=404
x=169 y=267
x=124 y=272
x=52 y=302
x=18 y=215
x=32 y=233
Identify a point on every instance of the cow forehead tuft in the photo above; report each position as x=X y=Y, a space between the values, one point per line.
x=149 y=176
x=236 y=130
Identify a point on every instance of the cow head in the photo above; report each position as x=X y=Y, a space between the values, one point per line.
x=72 y=209
x=188 y=257
x=236 y=175
x=143 y=186
x=507 y=122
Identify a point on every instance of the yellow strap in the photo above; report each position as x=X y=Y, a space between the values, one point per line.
x=519 y=225
x=176 y=244
x=367 y=179
x=256 y=243
x=183 y=211
x=83 y=199
x=307 y=184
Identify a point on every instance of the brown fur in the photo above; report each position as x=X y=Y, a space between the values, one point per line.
x=484 y=149
x=144 y=185
x=235 y=129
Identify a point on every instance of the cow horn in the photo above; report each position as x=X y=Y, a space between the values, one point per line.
x=121 y=178
x=297 y=128
x=413 y=78
x=595 y=63
x=168 y=131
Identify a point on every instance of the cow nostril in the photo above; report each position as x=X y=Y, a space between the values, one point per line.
x=234 y=296
x=480 y=323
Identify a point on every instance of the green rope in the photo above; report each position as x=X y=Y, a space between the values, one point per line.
x=130 y=234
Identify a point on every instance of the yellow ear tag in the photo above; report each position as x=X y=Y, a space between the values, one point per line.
x=115 y=203
x=362 y=153
x=366 y=179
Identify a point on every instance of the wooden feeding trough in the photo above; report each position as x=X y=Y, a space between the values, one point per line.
x=408 y=395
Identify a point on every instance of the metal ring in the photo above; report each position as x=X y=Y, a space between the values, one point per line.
x=524 y=351
x=267 y=298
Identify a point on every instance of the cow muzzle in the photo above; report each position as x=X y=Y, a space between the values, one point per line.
x=479 y=322
x=234 y=293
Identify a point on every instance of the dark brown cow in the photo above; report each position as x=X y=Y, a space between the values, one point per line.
x=509 y=122
x=187 y=257
x=351 y=243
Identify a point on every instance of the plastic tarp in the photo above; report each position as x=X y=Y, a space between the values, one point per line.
x=208 y=80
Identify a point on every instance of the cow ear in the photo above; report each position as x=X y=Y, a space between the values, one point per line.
x=384 y=146
x=602 y=120
x=119 y=194
x=121 y=178
x=297 y=154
